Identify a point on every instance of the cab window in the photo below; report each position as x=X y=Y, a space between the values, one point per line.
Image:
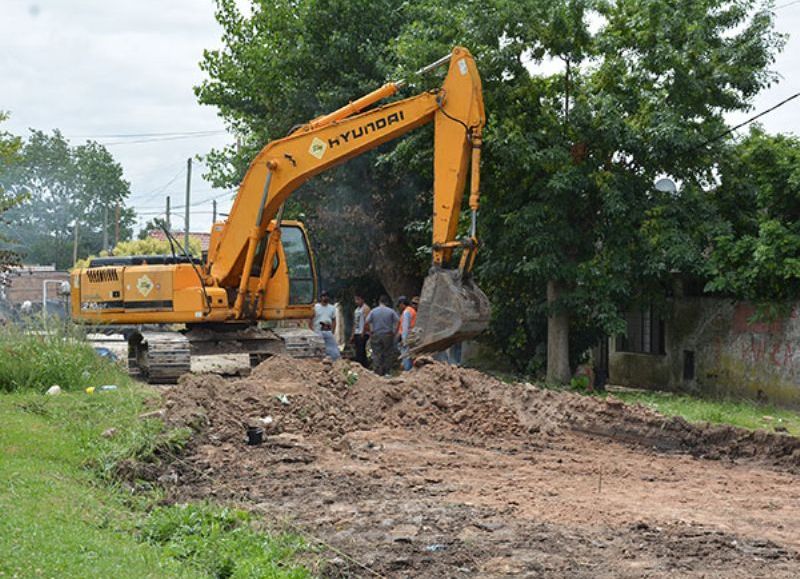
x=298 y=262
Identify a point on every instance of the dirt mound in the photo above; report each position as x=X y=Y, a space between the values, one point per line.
x=446 y=472
x=329 y=400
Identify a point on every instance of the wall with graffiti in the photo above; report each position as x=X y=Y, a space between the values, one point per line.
x=720 y=347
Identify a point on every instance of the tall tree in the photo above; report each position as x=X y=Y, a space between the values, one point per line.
x=588 y=102
x=571 y=156
x=67 y=188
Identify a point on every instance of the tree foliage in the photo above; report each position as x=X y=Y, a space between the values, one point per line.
x=756 y=250
x=588 y=102
x=571 y=157
x=64 y=185
x=146 y=246
x=10 y=158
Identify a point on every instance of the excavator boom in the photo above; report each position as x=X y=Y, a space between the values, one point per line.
x=259 y=266
x=449 y=298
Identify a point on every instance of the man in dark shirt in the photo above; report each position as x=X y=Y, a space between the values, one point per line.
x=382 y=322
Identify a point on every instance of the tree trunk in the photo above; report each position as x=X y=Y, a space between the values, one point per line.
x=396 y=281
x=394 y=269
x=558 y=371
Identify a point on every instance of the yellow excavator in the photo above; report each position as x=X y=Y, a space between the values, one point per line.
x=260 y=267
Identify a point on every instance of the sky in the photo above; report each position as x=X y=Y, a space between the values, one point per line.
x=122 y=72
x=99 y=68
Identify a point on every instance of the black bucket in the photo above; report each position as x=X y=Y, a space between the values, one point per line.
x=255 y=435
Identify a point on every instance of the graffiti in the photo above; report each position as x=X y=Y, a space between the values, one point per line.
x=762 y=349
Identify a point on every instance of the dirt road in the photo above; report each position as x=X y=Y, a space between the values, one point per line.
x=450 y=473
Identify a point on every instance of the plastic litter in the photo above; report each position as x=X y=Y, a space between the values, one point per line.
x=104 y=388
x=255 y=435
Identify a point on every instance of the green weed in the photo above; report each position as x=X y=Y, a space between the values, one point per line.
x=40 y=354
x=56 y=518
x=741 y=413
x=223 y=542
x=62 y=511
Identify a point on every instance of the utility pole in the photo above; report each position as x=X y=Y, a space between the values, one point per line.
x=214 y=204
x=188 y=195
x=169 y=226
x=116 y=225
x=75 y=243
x=105 y=228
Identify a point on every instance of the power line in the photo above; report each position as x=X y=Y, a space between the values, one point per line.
x=159 y=190
x=214 y=198
x=787 y=4
x=747 y=122
x=140 y=135
x=161 y=139
x=197 y=203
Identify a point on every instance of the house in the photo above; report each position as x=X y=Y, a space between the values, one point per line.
x=203 y=238
x=710 y=344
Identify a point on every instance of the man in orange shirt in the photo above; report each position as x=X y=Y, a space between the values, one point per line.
x=408 y=319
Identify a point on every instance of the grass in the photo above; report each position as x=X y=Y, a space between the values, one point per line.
x=41 y=354
x=742 y=413
x=62 y=511
x=224 y=542
x=57 y=519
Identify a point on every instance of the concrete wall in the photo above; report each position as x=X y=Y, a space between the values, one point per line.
x=731 y=355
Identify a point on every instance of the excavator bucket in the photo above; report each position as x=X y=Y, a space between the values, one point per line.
x=451 y=309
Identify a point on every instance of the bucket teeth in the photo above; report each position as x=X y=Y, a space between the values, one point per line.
x=452 y=309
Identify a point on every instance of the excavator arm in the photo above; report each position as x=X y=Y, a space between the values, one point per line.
x=285 y=164
x=450 y=302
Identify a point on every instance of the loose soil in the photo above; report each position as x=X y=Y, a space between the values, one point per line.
x=447 y=472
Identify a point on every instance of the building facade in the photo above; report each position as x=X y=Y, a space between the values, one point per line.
x=710 y=345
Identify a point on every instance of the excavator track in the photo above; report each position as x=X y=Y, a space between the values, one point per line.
x=162 y=357
x=159 y=357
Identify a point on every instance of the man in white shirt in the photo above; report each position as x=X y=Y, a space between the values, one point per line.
x=360 y=333
x=324 y=323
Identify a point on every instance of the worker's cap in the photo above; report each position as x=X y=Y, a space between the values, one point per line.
x=324 y=294
x=402 y=300
x=415 y=301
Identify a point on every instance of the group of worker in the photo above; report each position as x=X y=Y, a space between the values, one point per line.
x=385 y=328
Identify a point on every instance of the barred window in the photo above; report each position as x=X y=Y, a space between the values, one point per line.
x=645 y=333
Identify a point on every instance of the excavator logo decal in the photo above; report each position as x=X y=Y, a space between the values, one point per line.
x=366 y=129
x=317 y=148
x=145 y=285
